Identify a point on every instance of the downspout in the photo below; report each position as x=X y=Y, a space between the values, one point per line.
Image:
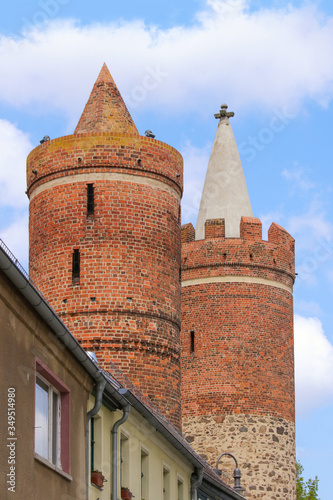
x=114 y=432
x=195 y=483
x=98 y=403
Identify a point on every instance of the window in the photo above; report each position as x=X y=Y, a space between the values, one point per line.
x=144 y=475
x=47 y=421
x=51 y=418
x=166 y=483
x=180 y=488
x=192 y=341
x=124 y=460
x=90 y=199
x=92 y=444
x=95 y=443
x=76 y=267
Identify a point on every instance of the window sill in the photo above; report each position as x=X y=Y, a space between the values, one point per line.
x=95 y=486
x=56 y=469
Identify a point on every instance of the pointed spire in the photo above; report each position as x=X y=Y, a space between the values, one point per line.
x=224 y=195
x=105 y=110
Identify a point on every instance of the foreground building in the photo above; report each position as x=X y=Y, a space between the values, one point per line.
x=72 y=431
x=105 y=249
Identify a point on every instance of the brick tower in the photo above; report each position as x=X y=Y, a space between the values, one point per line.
x=105 y=242
x=237 y=332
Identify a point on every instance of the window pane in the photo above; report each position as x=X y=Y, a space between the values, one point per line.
x=42 y=419
x=124 y=460
x=92 y=444
x=55 y=427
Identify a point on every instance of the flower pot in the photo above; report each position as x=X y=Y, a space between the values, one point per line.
x=126 y=494
x=97 y=478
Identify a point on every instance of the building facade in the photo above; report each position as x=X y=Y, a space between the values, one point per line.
x=70 y=430
x=46 y=390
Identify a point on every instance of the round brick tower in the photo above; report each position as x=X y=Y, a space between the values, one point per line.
x=105 y=242
x=237 y=333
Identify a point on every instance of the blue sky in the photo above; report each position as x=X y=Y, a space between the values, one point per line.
x=175 y=64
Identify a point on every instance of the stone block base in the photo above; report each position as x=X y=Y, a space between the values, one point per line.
x=264 y=447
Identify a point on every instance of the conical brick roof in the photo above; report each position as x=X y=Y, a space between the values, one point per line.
x=105 y=110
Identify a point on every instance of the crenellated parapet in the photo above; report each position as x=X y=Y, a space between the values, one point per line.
x=248 y=255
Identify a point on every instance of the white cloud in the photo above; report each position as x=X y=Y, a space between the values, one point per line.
x=313 y=365
x=16 y=238
x=275 y=57
x=310 y=227
x=14 y=148
x=297 y=176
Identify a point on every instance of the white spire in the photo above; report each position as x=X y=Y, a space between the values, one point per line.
x=224 y=194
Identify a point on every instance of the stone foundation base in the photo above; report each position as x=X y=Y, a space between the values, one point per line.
x=264 y=447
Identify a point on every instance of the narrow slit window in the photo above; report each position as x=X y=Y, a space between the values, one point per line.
x=76 y=267
x=192 y=340
x=90 y=199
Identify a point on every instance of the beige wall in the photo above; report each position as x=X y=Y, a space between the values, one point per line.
x=140 y=435
x=23 y=338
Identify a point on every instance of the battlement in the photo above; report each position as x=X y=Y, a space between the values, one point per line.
x=248 y=255
x=187 y=233
x=103 y=152
x=251 y=228
x=214 y=228
x=277 y=234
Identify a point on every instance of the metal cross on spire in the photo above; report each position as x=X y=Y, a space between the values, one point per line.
x=223 y=112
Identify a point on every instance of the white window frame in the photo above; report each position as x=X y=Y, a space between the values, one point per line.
x=53 y=427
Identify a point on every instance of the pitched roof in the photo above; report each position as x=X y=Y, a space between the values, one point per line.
x=105 y=110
